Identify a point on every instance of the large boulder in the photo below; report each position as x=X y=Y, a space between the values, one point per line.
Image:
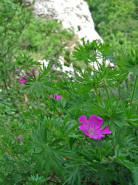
x=74 y=14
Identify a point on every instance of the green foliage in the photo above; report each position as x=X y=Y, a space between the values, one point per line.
x=116 y=21
x=35 y=180
x=23 y=35
x=52 y=149
x=44 y=38
x=13 y=19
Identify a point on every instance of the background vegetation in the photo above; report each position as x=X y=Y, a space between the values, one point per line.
x=116 y=22
x=116 y=19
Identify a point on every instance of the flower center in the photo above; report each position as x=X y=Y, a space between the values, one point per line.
x=91 y=131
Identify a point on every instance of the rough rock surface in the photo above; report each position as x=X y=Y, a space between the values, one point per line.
x=72 y=13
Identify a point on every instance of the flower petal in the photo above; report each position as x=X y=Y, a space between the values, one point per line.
x=106 y=131
x=58 y=97
x=22 y=80
x=30 y=74
x=82 y=119
x=95 y=121
x=19 y=137
x=26 y=76
x=83 y=128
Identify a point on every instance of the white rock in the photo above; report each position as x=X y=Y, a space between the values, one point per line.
x=63 y=68
x=43 y=62
x=72 y=13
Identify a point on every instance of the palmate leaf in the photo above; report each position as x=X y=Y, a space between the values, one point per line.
x=132 y=117
x=76 y=169
x=47 y=161
x=74 y=176
x=35 y=180
x=41 y=85
x=84 y=52
x=24 y=61
x=105 y=174
x=36 y=88
x=87 y=52
x=130 y=165
x=129 y=61
x=108 y=77
x=47 y=157
x=135 y=175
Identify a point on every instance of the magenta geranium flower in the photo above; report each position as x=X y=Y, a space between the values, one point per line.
x=33 y=70
x=19 y=137
x=26 y=76
x=30 y=74
x=22 y=81
x=55 y=96
x=92 y=127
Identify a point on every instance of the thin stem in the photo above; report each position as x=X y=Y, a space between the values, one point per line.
x=119 y=91
x=5 y=85
x=134 y=88
x=107 y=90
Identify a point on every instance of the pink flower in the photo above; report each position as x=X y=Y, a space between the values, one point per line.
x=30 y=74
x=55 y=96
x=92 y=127
x=22 y=81
x=58 y=97
x=33 y=70
x=26 y=76
x=19 y=137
